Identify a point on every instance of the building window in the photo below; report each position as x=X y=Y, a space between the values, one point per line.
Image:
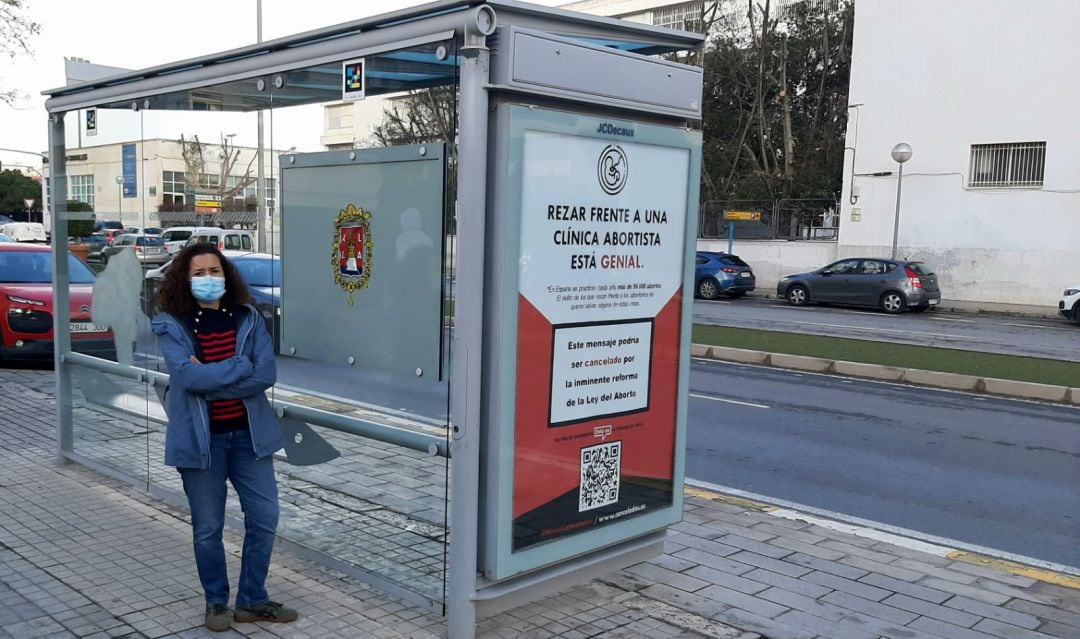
x=1017 y=164
x=270 y=186
x=684 y=17
x=172 y=187
x=339 y=116
x=81 y=188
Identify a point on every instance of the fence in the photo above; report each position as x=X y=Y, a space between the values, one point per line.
x=796 y=219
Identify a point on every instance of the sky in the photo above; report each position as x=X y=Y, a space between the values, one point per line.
x=129 y=34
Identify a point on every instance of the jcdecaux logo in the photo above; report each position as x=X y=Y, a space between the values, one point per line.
x=613 y=129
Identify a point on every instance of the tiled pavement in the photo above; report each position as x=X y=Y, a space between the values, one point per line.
x=82 y=555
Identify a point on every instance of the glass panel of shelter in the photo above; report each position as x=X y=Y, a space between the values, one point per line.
x=362 y=231
x=110 y=417
x=355 y=289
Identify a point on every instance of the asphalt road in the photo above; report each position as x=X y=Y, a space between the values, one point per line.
x=993 y=472
x=986 y=333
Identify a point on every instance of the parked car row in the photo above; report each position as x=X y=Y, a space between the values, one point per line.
x=155 y=246
x=890 y=285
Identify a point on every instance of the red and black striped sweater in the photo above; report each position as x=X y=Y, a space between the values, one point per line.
x=215 y=334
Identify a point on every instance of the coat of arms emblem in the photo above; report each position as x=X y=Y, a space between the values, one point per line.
x=351 y=249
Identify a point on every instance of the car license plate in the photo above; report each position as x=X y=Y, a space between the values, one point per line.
x=744 y=274
x=87 y=327
x=934 y=302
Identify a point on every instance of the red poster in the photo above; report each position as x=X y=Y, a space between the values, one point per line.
x=599 y=334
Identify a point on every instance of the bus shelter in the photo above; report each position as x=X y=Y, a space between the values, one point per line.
x=470 y=233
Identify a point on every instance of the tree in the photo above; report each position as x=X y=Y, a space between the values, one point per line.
x=16 y=29
x=421 y=116
x=198 y=180
x=80 y=228
x=15 y=188
x=776 y=102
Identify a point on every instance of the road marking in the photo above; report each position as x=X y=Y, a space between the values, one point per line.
x=1038 y=574
x=749 y=504
x=1029 y=325
x=949 y=319
x=1060 y=574
x=729 y=401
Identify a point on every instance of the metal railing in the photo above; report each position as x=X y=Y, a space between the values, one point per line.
x=794 y=219
x=422 y=442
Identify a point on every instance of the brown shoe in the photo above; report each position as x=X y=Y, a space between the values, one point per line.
x=217 y=617
x=270 y=611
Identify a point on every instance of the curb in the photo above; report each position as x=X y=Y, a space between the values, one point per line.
x=949 y=306
x=918 y=377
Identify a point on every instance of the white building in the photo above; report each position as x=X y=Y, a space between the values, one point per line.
x=93 y=173
x=991 y=195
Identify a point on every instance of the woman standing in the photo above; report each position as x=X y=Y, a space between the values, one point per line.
x=221 y=427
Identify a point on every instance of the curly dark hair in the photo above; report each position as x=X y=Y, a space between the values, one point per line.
x=174 y=295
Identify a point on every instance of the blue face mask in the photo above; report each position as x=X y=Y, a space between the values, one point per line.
x=207 y=288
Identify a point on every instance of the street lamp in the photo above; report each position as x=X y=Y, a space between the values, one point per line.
x=120 y=198
x=900 y=153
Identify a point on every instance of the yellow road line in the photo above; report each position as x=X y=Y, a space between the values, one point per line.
x=748 y=504
x=1038 y=574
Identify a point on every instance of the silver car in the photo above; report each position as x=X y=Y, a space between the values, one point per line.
x=891 y=285
x=148 y=250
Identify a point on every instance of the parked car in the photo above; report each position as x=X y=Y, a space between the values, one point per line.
x=891 y=285
x=25 y=231
x=148 y=249
x=152 y=230
x=96 y=243
x=4 y=238
x=26 y=305
x=103 y=225
x=261 y=272
x=1069 y=306
x=112 y=234
x=722 y=273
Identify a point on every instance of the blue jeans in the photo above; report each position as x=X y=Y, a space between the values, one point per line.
x=232 y=457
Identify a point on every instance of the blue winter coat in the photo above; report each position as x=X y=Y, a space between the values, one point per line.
x=192 y=386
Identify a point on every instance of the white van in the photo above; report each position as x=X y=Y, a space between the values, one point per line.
x=175 y=237
x=224 y=239
x=24 y=231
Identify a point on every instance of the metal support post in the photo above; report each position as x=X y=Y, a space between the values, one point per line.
x=896 y=219
x=61 y=279
x=731 y=237
x=468 y=336
x=260 y=188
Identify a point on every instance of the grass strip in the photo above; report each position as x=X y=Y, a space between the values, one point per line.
x=946 y=360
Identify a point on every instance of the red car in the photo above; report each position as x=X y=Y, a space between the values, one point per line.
x=26 y=305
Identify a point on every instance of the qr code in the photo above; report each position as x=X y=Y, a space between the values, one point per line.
x=601 y=467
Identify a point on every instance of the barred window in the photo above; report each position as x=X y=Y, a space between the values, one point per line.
x=684 y=17
x=1017 y=164
x=81 y=188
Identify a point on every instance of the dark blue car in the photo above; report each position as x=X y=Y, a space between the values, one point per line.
x=722 y=274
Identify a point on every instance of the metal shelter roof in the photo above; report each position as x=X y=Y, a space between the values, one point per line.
x=402 y=50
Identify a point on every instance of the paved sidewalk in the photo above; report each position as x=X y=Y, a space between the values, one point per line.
x=82 y=555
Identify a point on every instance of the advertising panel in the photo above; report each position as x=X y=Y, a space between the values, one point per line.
x=606 y=210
